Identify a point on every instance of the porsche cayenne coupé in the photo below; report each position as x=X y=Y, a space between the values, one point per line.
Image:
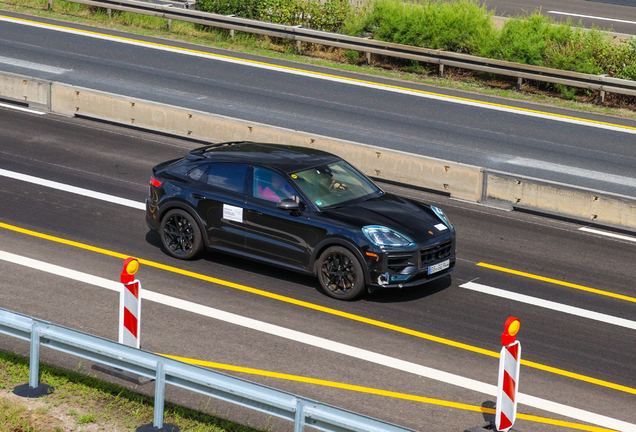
x=301 y=209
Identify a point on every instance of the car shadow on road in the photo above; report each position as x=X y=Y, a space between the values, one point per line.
x=397 y=295
x=293 y=279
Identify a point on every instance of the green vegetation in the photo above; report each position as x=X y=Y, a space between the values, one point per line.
x=328 y=16
x=79 y=401
x=460 y=26
x=465 y=26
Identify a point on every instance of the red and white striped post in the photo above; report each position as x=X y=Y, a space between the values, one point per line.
x=130 y=304
x=509 y=361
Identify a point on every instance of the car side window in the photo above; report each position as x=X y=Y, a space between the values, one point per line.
x=271 y=186
x=197 y=173
x=228 y=176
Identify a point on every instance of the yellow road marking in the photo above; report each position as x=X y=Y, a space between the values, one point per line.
x=321 y=74
x=379 y=392
x=558 y=282
x=320 y=308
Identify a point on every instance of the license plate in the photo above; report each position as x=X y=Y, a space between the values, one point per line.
x=439 y=267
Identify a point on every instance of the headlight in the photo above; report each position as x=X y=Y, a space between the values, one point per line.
x=383 y=236
x=440 y=214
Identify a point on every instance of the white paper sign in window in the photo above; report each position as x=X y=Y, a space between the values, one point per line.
x=232 y=213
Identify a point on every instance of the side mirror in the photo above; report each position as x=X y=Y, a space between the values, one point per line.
x=288 y=204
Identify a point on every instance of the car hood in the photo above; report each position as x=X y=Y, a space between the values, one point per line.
x=416 y=221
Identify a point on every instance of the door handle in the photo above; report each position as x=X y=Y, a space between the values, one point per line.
x=198 y=196
x=255 y=212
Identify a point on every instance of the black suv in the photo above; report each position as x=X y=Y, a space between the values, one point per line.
x=298 y=208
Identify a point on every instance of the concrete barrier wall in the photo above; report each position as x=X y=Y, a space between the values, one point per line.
x=560 y=199
x=458 y=180
x=25 y=89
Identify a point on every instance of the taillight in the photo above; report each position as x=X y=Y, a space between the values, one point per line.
x=154 y=182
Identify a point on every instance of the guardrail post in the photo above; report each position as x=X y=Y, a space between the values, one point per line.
x=368 y=58
x=441 y=71
x=169 y=23
x=601 y=97
x=50 y=4
x=34 y=389
x=110 y=13
x=298 y=46
x=519 y=83
x=299 y=419
x=232 y=34
x=160 y=397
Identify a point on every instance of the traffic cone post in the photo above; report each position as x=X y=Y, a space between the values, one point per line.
x=508 y=383
x=130 y=305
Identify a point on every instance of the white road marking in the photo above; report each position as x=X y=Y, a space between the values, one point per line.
x=30 y=65
x=325 y=77
x=19 y=108
x=608 y=234
x=73 y=189
x=547 y=304
x=323 y=343
x=593 y=17
x=578 y=172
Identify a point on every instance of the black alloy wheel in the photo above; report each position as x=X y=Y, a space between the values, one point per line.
x=180 y=235
x=340 y=273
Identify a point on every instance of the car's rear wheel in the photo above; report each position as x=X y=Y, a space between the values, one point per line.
x=180 y=234
x=340 y=273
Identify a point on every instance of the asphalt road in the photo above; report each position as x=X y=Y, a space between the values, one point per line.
x=611 y=15
x=560 y=145
x=457 y=330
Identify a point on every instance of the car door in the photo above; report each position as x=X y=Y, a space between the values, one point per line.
x=272 y=233
x=220 y=202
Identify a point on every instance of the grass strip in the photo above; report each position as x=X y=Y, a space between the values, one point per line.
x=84 y=402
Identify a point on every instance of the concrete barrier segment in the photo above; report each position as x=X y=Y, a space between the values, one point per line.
x=458 y=180
x=25 y=89
x=594 y=207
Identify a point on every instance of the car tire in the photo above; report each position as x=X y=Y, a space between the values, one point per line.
x=180 y=235
x=340 y=273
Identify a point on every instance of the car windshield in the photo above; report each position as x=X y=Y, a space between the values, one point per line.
x=334 y=184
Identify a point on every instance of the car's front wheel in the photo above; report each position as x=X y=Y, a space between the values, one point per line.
x=180 y=234
x=340 y=273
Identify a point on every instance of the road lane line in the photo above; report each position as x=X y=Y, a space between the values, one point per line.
x=326 y=344
x=30 y=65
x=379 y=392
x=608 y=234
x=573 y=171
x=323 y=309
x=592 y=17
x=547 y=304
x=19 y=108
x=73 y=189
x=328 y=77
x=558 y=282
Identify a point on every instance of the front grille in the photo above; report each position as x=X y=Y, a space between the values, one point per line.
x=436 y=253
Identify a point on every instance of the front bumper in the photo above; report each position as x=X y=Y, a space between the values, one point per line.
x=405 y=268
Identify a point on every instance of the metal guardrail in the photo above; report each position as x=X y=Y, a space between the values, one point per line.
x=164 y=371
x=520 y=71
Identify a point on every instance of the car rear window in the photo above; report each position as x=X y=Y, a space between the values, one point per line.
x=228 y=176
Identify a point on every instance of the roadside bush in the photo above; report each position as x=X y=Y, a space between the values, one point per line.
x=458 y=26
x=242 y=8
x=309 y=13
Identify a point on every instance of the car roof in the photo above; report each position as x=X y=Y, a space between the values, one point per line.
x=284 y=157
